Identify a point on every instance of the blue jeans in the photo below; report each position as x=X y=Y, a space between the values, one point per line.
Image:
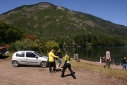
x=59 y=61
x=124 y=66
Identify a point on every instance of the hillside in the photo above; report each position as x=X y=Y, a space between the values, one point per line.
x=48 y=21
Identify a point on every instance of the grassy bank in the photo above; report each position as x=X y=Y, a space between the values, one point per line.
x=114 y=72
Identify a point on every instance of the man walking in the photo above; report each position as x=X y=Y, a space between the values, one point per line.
x=108 y=59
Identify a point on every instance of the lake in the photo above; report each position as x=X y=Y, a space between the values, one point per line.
x=94 y=53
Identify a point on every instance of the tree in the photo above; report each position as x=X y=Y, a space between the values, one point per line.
x=24 y=44
x=9 y=33
x=51 y=44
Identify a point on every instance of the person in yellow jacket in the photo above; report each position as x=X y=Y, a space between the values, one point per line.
x=52 y=61
x=67 y=65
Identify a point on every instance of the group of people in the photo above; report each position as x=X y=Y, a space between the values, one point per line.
x=54 y=68
x=58 y=56
x=108 y=60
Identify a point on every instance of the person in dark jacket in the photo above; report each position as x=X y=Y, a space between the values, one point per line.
x=124 y=63
x=59 y=54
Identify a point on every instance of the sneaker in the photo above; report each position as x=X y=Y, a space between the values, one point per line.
x=74 y=77
x=71 y=73
x=51 y=71
x=60 y=70
x=62 y=76
x=54 y=71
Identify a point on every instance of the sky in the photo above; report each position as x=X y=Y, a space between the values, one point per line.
x=111 y=10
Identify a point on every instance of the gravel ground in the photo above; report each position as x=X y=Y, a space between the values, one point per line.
x=34 y=75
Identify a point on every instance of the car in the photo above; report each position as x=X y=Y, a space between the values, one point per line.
x=29 y=58
x=3 y=50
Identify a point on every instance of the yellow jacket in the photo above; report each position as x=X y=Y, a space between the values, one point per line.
x=51 y=57
x=67 y=59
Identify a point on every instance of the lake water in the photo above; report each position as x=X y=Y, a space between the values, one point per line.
x=94 y=53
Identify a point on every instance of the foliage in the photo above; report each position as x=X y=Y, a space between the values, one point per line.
x=45 y=21
x=9 y=33
x=98 y=40
x=24 y=44
x=51 y=44
x=27 y=44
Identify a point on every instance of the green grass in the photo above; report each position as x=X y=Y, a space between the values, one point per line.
x=114 y=72
x=7 y=56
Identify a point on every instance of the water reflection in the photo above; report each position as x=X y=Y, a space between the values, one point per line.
x=94 y=53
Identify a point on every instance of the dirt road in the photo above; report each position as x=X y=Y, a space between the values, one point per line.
x=29 y=75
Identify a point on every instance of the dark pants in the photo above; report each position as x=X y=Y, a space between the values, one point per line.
x=107 y=63
x=66 y=65
x=52 y=64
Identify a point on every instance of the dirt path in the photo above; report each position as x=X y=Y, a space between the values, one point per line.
x=27 y=75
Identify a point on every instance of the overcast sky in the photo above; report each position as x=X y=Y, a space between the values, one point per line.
x=111 y=10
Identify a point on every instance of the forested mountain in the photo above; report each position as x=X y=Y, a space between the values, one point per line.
x=49 y=22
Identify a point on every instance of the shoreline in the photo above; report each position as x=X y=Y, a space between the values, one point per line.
x=101 y=64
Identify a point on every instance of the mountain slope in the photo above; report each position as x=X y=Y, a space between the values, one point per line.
x=48 y=21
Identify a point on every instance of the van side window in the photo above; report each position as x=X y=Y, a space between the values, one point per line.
x=20 y=54
x=31 y=55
